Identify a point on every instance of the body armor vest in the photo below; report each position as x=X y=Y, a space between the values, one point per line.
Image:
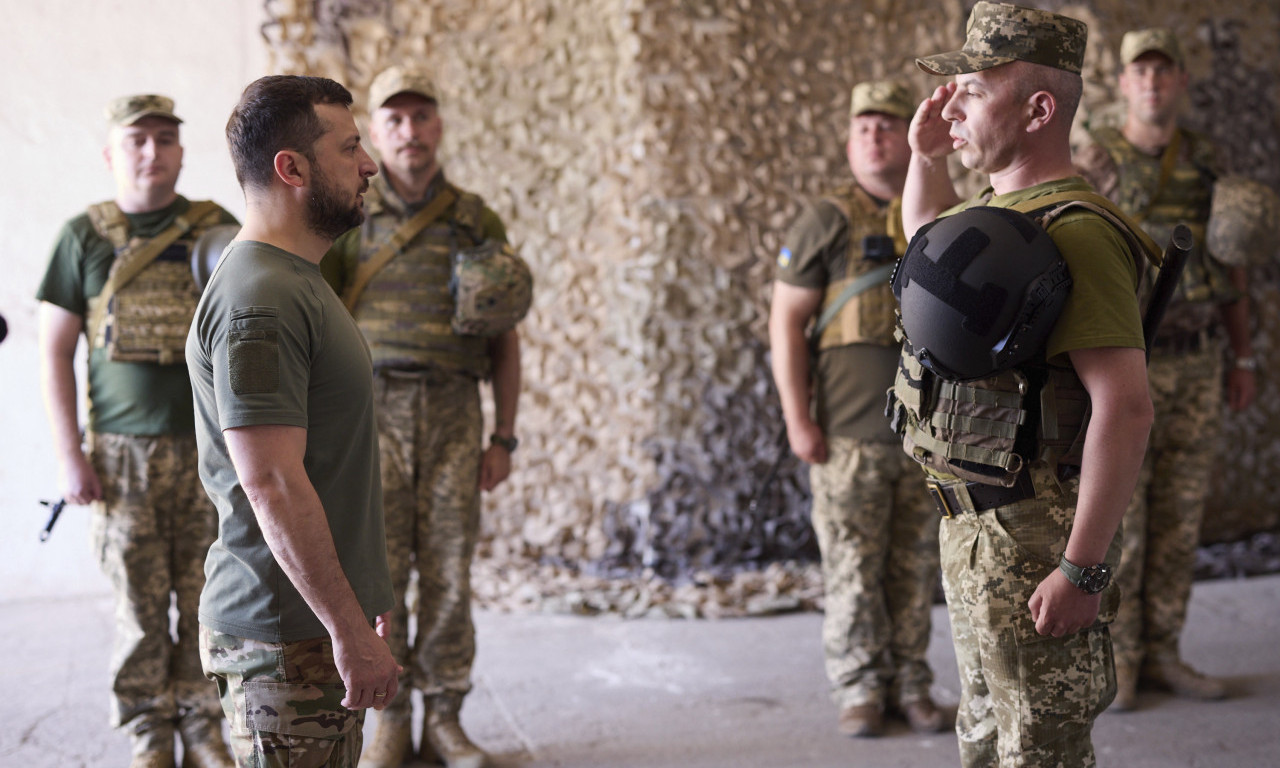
x=1159 y=194
x=145 y=319
x=406 y=310
x=989 y=430
x=875 y=238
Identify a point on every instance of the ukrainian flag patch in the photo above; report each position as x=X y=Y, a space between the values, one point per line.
x=784 y=258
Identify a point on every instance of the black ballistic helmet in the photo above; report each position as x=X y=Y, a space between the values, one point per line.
x=980 y=291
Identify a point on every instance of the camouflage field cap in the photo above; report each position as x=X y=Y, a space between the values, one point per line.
x=400 y=79
x=1158 y=39
x=128 y=110
x=999 y=33
x=887 y=96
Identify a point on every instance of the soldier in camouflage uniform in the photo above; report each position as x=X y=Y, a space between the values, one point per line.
x=429 y=411
x=875 y=525
x=293 y=616
x=152 y=521
x=1161 y=174
x=1024 y=566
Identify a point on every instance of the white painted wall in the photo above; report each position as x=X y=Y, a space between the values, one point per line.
x=62 y=60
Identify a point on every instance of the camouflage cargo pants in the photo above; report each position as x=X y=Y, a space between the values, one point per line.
x=1025 y=699
x=1162 y=523
x=151 y=532
x=283 y=701
x=878 y=533
x=429 y=436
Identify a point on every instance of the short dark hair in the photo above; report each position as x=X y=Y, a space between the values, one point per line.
x=277 y=112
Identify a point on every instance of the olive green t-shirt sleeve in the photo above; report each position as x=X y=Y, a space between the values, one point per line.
x=1102 y=309
x=63 y=284
x=809 y=251
x=492 y=226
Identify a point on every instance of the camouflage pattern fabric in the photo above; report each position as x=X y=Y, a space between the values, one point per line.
x=429 y=435
x=888 y=96
x=1162 y=524
x=1025 y=699
x=492 y=288
x=999 y=33
x=283 y=701
x=878 y=533
x=150 y=533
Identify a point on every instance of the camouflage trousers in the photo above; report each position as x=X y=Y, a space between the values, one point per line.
x=283 y=701
x=429 y=437
x=1025 y=699
x=1162 y=523
x=878 y=533
x=151 y=532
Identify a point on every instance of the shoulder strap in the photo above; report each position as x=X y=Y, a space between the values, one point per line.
x=110 y=223
x=860 y=284
x=137 y=256
x=390 y=249
x=1047 y=208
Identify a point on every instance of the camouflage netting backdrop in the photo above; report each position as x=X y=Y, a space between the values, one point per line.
x=647 y=156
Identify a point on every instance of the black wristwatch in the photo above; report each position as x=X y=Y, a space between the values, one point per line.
x=510 y=443
x=1091 y=580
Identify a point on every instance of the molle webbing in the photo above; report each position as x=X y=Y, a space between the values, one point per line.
x=859 y=307
x=406 y=309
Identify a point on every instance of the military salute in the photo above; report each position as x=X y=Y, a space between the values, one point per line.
x=121 y=276
x=1032 y=493
x=876 y=527
x=1161 y=175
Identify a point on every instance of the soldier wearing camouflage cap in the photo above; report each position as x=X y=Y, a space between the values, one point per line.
x=875 y=525
x=120 y=275
x=1025 y=565
x=394 y=273
x=1163 y=174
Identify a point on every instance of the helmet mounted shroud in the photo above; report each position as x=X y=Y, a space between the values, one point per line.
x=979 y=292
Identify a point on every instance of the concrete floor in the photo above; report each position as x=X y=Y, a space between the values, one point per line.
x=575 y=692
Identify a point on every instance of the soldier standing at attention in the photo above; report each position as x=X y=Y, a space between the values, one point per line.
x=293 y=615
x=1027 y=535
x=121 y=276
x=395 y=278
x=876 y=526
x=1161 y=174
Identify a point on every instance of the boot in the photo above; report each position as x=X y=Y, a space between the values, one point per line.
x=1126 y=699
x=862 y=720
x=202 y=744
x=392 y=743
x=1180 y=679
x=922 y=715
x=152 y=743
x=443 y=740
x=152 y=759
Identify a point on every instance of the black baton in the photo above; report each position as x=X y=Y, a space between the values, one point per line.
x=1175 y=258
x=55 y=511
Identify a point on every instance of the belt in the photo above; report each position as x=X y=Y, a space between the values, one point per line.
x=981 y=496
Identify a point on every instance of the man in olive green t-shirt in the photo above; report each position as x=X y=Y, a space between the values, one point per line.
x=1025 y=568
x=876 y=528
x=297 y=580
x=152 y=522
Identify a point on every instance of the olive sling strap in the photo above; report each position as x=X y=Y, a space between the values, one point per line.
x=111 y=223
x=394 y=245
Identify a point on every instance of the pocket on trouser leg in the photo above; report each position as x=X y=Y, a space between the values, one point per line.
x=1065 y=684
x=300 y=725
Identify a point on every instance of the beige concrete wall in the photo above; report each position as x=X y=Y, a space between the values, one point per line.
x=62 y=60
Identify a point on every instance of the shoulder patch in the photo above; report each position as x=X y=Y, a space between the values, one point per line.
x=784 y=258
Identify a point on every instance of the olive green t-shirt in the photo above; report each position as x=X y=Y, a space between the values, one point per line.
x=1102 y=308
x=849 y=380
x=271 y=343
x=124 y=398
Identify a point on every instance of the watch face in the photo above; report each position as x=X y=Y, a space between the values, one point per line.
x=1095 y=578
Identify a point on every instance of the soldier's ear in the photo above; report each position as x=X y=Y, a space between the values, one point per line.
x=1041 y=107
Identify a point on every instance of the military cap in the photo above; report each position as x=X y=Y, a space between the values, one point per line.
x=999 y=33
x=1157 y=39
x=400 y=79
x=128 y=110
x=887 y=96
